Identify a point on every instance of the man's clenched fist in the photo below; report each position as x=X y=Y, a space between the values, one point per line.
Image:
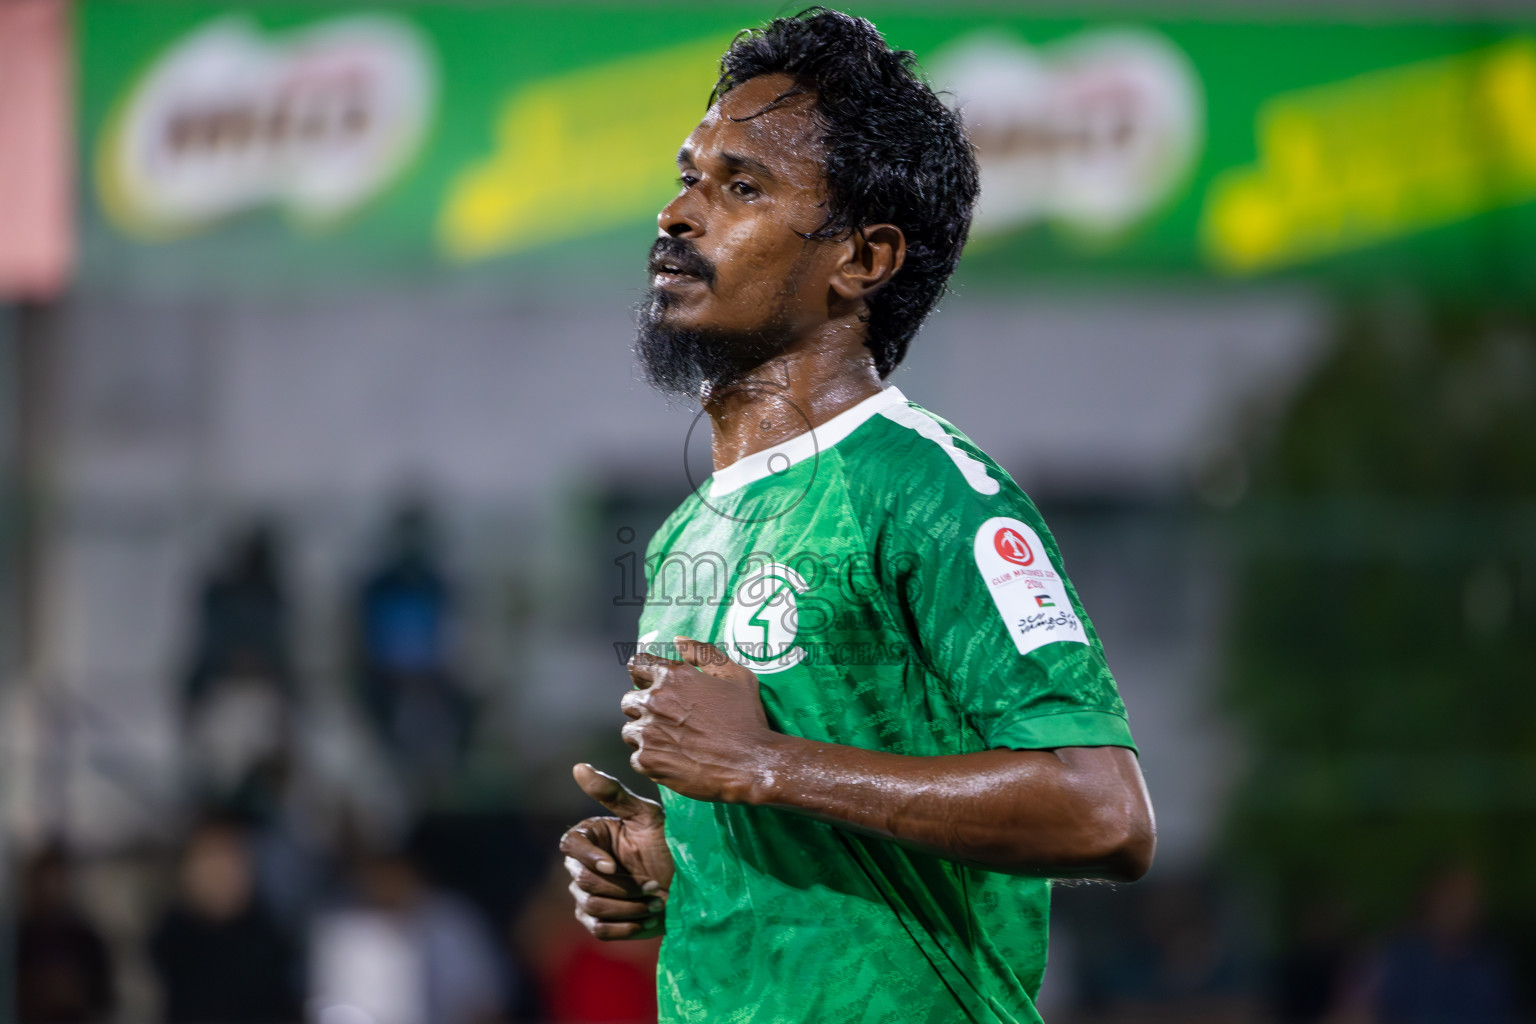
x=697 y=725
x=621 y=869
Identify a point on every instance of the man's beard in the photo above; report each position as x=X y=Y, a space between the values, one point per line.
x=697 y=362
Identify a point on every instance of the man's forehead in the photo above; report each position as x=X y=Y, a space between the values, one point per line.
x=778 y=128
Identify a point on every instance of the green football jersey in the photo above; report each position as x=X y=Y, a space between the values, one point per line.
x=894 y=590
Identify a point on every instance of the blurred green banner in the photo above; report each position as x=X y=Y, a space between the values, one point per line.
x=288 y=145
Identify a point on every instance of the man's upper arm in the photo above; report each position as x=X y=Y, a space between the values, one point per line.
x=979 y=580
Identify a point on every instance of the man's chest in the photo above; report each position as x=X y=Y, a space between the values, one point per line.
x=767 y=594
x=804 y=608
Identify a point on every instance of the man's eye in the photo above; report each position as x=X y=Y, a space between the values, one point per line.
x=743 y=189
x=687 y=180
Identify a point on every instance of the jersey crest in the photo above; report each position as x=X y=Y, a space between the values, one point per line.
x=764 y=620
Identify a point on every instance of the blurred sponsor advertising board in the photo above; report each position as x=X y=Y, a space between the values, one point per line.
x=1093 y=133
x=288 y=145
x=314 y=123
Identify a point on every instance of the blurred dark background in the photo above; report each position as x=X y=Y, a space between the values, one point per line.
x=326 y=475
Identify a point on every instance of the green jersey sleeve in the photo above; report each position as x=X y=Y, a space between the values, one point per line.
x=967 y=565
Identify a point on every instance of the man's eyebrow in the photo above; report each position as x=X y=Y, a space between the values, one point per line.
x=734 y=161
x=747 y=163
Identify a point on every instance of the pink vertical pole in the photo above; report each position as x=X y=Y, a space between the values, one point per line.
x=36 y=160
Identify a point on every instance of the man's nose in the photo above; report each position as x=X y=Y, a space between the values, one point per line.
x=680 y=219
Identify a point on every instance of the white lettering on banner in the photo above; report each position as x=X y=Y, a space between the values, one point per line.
x=317 y=121
x=1094 y=131
x=1029 y=593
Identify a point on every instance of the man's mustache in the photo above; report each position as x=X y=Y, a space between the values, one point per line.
x=679 y=256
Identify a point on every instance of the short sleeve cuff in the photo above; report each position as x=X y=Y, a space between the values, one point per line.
x=1065 y=729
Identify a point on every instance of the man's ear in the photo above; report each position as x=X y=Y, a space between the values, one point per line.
x=873 y=255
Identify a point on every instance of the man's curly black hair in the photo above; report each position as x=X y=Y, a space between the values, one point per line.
x=894 y=154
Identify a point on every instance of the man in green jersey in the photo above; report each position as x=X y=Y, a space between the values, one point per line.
x=879 y=716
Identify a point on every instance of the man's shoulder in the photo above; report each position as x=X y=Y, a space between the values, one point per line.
x=673 y=525
x=907 y=453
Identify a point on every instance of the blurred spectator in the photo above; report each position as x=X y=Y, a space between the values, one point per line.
x=246 y=762
x=406 y=677
x=63 y=968
x=1309 y=974
x=406 y=953
x=1444 y=970
x=582 y=980
x=239 y=689
x=602 y=983
x=290 y=856
x=239 y=742
x=242 y=628
x=219 y=958
x=1178 y=964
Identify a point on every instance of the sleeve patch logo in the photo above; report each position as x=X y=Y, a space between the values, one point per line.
x=1029 y=593
x=1012 y=546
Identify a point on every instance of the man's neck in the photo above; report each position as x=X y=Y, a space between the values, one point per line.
x=792 y=393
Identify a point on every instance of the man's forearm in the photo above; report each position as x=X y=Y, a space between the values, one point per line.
x=1073 y=812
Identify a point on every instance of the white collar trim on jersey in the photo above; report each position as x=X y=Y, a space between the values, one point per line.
x=775 y=460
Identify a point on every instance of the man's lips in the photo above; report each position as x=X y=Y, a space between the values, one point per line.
x=672 y=265
x=666 y=274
